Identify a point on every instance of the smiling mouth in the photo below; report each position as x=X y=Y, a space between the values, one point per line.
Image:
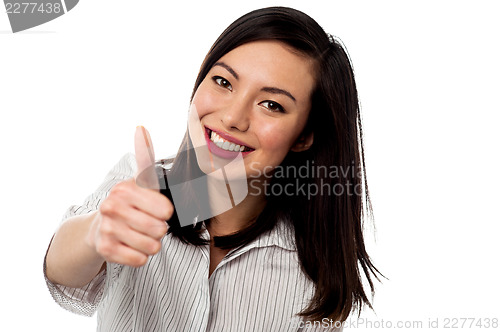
x=225 y=144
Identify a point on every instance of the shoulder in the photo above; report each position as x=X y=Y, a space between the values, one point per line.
x=127 y=162
x=126 y=167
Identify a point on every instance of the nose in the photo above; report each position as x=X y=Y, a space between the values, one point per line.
x=237 y=116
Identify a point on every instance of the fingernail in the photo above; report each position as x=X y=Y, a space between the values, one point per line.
x=145 y=136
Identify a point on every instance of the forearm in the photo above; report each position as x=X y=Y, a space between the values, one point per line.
x=70 y=260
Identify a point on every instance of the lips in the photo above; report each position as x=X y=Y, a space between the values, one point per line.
x=227 y=142
x=219 y=144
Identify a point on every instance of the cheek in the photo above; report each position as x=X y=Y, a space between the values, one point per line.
x=277 y=139
x=204 y=101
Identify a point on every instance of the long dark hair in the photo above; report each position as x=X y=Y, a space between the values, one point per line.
x=328 y=227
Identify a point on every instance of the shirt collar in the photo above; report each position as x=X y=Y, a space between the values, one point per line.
x=281 y=235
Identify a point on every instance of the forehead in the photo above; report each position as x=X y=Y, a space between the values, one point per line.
x=270 y=62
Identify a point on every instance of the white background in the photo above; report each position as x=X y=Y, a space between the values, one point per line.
x=73 y=90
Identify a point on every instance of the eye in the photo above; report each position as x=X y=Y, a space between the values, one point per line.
x=273 y=106
x=223 y=82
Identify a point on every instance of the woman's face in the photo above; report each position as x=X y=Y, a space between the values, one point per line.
x=257 y=98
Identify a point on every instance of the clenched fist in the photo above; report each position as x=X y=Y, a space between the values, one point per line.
x=130 y=223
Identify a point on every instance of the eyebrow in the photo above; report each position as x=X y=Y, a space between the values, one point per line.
x=228 y=68
x=279 y=91
x=265 y=89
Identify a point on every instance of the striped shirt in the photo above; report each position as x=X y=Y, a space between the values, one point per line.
x=259 y=287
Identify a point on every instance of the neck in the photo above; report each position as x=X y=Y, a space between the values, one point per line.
x=235 y=217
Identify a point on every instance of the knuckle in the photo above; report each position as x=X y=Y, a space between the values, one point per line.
x=108 y=206
x=122 y=185
x=104 y=249
x=139 y=260
x=106 y=228
x=157 y=229
x=116 y=189
x=121 y=189
x=148 y=247
x=168 y=209
x=162 y=229
x=154 y=247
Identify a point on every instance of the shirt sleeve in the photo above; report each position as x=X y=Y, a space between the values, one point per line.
x=84 y=300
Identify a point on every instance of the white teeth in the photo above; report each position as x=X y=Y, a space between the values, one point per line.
x=225 y=145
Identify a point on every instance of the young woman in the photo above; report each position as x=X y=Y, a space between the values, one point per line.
x=274 y=104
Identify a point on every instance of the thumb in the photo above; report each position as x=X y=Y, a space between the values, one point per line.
x=145 y=159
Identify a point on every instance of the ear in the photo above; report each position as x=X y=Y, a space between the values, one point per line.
x=303 y=143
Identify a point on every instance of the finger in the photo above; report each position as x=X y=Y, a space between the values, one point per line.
x=145 y=159
x=144 y=153
x=158 y=207
x=123 y=254
x=137 y=241
x=145 y=223
x=128 y=195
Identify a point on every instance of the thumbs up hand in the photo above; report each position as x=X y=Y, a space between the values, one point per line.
x=145 y=158
x=130 y=222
